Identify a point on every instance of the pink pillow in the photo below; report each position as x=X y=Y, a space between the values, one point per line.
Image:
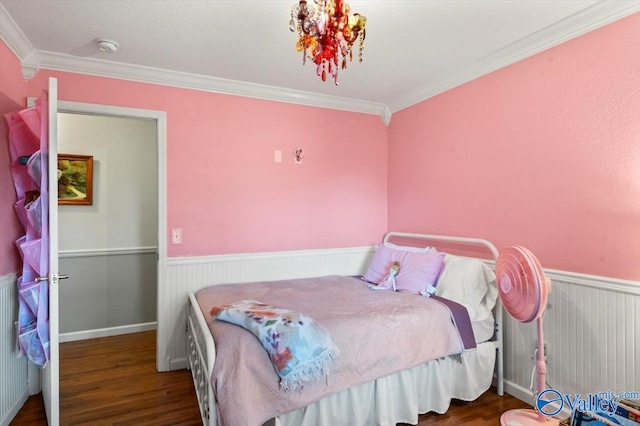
x=382 y=260
x=417 y=270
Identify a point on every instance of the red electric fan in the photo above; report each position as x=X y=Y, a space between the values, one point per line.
x=523 y=290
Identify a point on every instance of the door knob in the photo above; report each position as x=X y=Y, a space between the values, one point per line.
x=60 y=277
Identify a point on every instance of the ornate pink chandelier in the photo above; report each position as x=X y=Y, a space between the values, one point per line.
x=326 y=34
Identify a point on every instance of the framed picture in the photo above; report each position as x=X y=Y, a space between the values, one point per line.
x=75 y=179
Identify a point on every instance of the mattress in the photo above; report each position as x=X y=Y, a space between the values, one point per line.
x=377 y=333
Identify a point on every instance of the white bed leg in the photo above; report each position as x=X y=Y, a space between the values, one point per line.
x=499 y=349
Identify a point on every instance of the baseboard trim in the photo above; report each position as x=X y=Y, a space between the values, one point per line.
x=11 y=414
x=518 y=391
x=107 y=332
x=178 y=364
x=525 y=396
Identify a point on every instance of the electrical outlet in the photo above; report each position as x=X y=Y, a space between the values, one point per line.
x=545 y=349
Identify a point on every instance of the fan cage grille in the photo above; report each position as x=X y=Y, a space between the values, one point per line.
x=522 y=284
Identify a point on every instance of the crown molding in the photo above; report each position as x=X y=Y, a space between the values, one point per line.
x=386 y=115
x=28 y=71
x=594 y=17
x=33 y=60
x=586 y=20
x=13 y=36
x=110 y=69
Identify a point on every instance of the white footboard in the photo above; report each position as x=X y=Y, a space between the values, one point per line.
x=202 y=355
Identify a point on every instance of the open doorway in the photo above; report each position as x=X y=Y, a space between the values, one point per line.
x=108 y=247
x=157 y=118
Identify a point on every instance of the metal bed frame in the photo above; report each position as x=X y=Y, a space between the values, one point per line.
x=201 y=348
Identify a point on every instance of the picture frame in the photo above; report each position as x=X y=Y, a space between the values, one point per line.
x=75 y=179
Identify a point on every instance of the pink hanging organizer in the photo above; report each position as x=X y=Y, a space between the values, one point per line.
x=28 y=143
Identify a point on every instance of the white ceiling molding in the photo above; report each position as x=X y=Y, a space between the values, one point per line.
x=386 y=115
x=32 y=61
x=13 y=36
x=102 y=68
x=28 y=71
x=110 y=69
x=600 y=14
x=580 y=23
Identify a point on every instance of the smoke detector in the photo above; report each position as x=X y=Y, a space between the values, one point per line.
x=106 y=45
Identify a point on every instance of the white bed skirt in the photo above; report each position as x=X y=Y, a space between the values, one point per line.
x=400 y=397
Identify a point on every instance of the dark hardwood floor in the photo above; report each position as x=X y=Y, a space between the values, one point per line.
x=113 y=381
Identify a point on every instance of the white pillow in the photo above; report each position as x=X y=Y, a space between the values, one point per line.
x=469 y=282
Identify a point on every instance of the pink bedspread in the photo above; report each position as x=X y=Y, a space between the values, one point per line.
x=378 y=333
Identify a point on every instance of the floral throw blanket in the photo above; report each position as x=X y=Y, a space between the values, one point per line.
x=300 y=350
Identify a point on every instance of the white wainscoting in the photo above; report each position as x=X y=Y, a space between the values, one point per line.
x=14 y=387
x=592 y=326
x=190 y=274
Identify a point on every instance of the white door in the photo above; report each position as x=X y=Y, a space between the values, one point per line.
x=51 y=372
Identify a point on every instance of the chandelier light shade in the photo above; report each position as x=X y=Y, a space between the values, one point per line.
x=326 y=34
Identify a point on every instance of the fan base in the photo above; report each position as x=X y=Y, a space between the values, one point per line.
x=525 y=417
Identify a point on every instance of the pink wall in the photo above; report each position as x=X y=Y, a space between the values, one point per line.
x=225 y=191
x=12 y=98
x=544 y=153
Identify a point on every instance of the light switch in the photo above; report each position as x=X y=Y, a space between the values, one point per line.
x=277 y=156
x=176 y=236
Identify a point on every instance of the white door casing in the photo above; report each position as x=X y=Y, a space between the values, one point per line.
x=160 y=117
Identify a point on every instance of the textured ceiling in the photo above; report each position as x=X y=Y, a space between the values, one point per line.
x=409 y=44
